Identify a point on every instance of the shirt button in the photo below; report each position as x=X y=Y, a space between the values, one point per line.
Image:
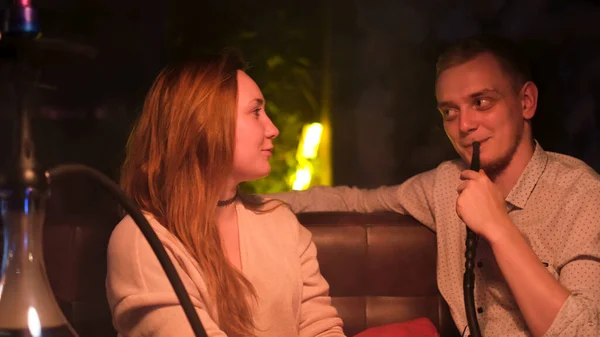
x=479 y=264
x=480 y=310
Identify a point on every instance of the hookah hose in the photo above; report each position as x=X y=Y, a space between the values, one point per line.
x=133 y=210
x=469 y=277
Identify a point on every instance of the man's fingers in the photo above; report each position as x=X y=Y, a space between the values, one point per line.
x=462 y=186
x=469 y=175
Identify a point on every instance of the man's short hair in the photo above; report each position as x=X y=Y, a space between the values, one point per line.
x=507 y=53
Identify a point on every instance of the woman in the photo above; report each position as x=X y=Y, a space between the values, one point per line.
x=249 y=266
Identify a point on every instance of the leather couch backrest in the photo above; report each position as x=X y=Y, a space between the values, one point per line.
x=381 y=269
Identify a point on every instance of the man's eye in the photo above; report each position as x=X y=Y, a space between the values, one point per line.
x=483 y=103
x=448 y=113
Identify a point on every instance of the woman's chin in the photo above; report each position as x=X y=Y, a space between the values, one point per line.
x=259 y=174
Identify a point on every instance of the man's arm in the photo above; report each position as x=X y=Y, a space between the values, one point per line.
x=413 y=197
x=341 y=199
x=539 y=296
x=565 y=307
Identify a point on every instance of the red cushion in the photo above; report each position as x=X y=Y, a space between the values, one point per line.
x=419 y=327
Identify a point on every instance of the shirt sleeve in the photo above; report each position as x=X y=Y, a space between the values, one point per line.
x=317 y=316
x=579 y=272
x=142 y=300
x=413 y=197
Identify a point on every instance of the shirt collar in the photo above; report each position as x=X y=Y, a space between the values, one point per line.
x=520 y=193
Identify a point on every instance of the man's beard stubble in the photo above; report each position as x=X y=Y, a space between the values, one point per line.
x=495 y=168
x=498 y=166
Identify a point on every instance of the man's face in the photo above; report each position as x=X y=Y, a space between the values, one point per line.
x=479 y=103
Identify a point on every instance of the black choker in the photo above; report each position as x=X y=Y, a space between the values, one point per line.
x=222 y=203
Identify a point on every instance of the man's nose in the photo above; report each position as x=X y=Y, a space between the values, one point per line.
x=467 y=120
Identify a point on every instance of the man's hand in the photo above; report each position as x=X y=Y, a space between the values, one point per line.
x=481 y=205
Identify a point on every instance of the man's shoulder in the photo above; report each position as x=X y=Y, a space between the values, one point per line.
x=448 y=168
x=454 y=165
x=568 y=171
x=444 y=176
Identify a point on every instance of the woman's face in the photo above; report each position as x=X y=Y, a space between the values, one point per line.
x=254 y=132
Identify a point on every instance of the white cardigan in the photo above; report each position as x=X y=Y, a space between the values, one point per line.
x=277 y=256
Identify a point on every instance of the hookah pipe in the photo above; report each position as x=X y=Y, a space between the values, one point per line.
x=471 y=249
x=27 y=306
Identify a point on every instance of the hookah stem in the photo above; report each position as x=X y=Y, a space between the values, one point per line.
x=469 y=277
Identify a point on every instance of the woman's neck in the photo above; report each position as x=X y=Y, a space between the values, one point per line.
x=226 y=214
x=226 y=219
x=226 y=210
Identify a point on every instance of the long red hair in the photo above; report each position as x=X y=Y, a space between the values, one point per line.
x=179 y=156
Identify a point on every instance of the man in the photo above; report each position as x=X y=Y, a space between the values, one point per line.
x=538 y=260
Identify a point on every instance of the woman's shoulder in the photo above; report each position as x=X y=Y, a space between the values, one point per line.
x=127 y=238
x=127 y=228
x=264 y=205
x=271 y=214
x=124 y=232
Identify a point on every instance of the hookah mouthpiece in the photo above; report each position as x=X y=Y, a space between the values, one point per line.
x=475 y=157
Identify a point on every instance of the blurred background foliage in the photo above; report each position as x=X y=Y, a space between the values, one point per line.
x=282 y=45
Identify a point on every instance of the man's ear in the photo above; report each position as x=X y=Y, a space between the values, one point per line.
x=529 y=99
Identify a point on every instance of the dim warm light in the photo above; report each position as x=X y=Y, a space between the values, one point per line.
x=307 y=150
x=311 y=140
x=302 y=180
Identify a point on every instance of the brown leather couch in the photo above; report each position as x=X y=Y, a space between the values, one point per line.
x=381 y=267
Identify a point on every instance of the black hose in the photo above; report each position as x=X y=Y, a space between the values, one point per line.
x=471 y=249
x=137 y=216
